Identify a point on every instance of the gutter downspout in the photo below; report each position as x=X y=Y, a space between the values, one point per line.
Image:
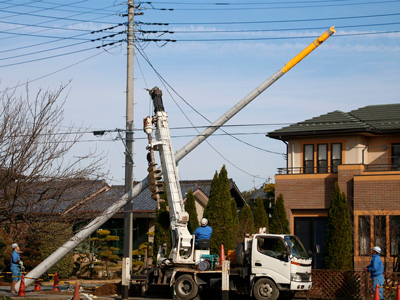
x=366 y=147
x=287 y=156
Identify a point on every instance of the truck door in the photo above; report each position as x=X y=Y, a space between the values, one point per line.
x=270 y=257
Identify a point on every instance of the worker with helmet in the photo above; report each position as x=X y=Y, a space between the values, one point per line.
x=16 y=266
x=203 y=232
x=376 y=270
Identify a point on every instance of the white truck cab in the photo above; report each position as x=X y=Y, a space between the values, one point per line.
x=278 y=263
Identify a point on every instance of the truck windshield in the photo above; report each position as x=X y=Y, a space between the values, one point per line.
x=296 y=247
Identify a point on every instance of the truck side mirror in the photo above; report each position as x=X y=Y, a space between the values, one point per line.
x=285 y=257
x=317 y=249
x=310 y=253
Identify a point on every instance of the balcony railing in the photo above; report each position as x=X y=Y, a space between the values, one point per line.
x=382 y=167
x=307 y=170
x=327 y=170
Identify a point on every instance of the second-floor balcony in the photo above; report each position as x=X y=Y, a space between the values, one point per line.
x=334 y=169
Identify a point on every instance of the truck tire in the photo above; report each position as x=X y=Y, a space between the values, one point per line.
x=240 y=254
x=185 y=287
x=265 y=289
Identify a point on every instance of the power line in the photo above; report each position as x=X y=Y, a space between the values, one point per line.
x=52 y=73
x=49 y=21
x=165 y=82
x=264 y=30
x=61 y=47
x=53 y=17
x=57 y=40
x=266 y=38
x=73 y=6
x=39 y=10
x=203 y=3
x=56 y=37
x=51 y=27
x=272 y=21
x=59 y=55
x=271 y=8
x=83 y=7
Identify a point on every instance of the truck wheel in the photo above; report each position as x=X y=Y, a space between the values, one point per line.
x=185 y=288
x=265 y=289
x=240 y=254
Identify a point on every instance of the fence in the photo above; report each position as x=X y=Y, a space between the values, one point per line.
x=329 y=284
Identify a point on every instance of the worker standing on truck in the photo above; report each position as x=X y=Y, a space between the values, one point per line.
x=203 y=232
x=376 y=270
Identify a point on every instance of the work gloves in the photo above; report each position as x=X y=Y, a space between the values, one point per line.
x=21 y=265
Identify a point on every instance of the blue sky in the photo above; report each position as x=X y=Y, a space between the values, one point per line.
x=221 y=53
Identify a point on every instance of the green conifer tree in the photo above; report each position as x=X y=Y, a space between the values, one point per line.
x=260 y=215
x=219 y=213
x=269 y=200
x=279 y=223
x=246 y=222
x=209 y=210
x=190 y=207
x=162 y=230
x=338 y=243
x=235 y=222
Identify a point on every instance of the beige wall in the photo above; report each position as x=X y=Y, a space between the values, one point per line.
x=354 y=148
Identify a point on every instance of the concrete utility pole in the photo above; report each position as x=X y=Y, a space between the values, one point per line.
x=138 y=188
x=128 y=218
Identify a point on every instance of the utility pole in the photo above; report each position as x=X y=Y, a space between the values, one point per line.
x=128 y=218
x=86 y=231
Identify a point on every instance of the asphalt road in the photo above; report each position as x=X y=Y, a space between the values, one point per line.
x=67 y=292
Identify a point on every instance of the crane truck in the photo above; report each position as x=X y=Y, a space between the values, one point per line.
x=188 y=284
x=266 y=264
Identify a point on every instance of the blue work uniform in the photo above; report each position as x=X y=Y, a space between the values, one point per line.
x=376 y=270
x=203 y=232
x=15 y=269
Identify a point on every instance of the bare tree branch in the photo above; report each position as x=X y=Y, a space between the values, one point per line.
x=35 y=178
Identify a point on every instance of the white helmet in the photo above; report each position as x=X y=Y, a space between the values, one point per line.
x=377 y=249
x=204 y=222
x=15 y=245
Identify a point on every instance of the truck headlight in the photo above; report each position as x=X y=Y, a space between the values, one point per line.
x=295 y=277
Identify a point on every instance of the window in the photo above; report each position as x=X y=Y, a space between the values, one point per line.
x=380 y=232
x=336 y=157
x=396 y=157
x=273 y=247
x=394 y=222
x=364 y=233
x=308 y=159
x=322 y=158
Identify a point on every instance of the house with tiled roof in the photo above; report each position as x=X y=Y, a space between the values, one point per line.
x=360 y=150
x=144 y=208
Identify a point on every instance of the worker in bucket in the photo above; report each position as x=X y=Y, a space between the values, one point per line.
x=16 y=266
x=376 y=270
x=203 y=232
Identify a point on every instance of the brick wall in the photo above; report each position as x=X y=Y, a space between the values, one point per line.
x=376 y=193
x=346 y=174
x=305 y=192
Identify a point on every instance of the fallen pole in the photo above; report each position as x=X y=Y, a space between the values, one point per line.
x=39 y=270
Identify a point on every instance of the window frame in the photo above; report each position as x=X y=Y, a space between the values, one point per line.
x=336 y=162
x=323 y=169
x=306 y=168
x=364 y=231
x=395 y=157
x=380 y=232
x=282 y=256
x=394 y=234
